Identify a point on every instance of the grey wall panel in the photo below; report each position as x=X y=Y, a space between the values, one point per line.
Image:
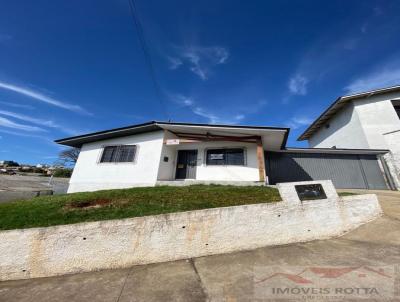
x=345 y=171
x=373 y=173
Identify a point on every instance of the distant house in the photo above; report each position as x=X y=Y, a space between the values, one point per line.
x=366 y=120
x=178 y=153
x=8 y=163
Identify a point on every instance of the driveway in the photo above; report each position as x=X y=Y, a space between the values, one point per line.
x=373 y=248
x=14 y=187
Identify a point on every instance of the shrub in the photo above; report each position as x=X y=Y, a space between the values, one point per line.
x=62 y=173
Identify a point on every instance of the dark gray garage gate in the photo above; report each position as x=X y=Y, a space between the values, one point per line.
x=358 y=171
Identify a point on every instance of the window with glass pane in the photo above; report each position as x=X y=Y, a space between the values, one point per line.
x=108 y=155
x=235 y=157
x=118 y=154
x=216 y=157
x=397 y=108
x=126 y=154
x=225 y=157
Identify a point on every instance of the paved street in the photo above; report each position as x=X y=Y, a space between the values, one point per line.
x=33 y=182
x=230 y=277
x=19 y=187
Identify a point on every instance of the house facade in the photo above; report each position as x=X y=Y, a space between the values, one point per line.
x=368 y=120
x=142 y=155
x=165 y=153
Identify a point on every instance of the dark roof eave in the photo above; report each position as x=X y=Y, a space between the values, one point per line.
x=223 y=126
x=78 y=141
x=332 y=110
x=305 y=135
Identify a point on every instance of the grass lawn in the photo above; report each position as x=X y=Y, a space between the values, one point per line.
x=124 y=203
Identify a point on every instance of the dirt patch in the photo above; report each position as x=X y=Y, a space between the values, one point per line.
x=95 y=204
x=89 y=204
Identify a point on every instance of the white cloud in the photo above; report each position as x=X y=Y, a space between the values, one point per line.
x=212 y=118
x=217 y=119
x=329 y=55
x=195 y=67
x=26 y=118
x=36 y=136
x=298 y=85
x=385 y=77
x=37 y=121
x=4 y=122
x=174 y=63
x=17 y=105
x=41 y=97
x=299 y=121
x=25 y=134
x=200 y=59
x=221 y=54
x=182 y=100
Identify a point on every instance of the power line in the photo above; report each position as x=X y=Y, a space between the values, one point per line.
x=146 y=52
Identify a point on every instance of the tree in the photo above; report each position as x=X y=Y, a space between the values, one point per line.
x=68 y=157
x=10 y=163
x=63 y=172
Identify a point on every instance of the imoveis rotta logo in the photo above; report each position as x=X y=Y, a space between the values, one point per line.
x=326 y=282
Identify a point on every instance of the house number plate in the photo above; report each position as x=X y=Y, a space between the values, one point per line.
x=310 y=192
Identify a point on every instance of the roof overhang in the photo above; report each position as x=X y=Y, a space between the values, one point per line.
x=337 y=106
x=273 y=138
x=78 y=141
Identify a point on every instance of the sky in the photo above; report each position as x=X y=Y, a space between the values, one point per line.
x=73 y=67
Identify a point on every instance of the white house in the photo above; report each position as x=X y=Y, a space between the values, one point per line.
x=367 y=120
x=181 y=153
x=142 y=155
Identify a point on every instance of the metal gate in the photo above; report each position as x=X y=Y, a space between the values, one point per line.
x=347 y=171
x=186 y=164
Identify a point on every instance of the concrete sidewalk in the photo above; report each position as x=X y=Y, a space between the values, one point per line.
x=229 y=277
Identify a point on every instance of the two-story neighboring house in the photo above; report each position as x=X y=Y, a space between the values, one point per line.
x=367 y=120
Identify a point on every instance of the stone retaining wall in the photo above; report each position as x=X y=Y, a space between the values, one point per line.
x=43 y=252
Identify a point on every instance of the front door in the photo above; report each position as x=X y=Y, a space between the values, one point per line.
x=186 y=164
